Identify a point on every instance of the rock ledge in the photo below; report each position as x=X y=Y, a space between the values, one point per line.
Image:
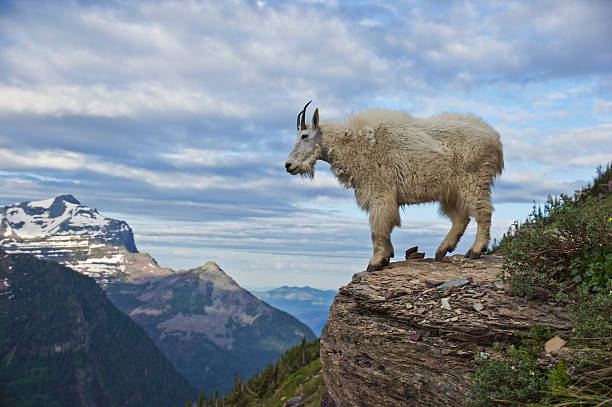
x=396 y=337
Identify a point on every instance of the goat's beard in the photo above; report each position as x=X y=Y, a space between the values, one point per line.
x=308 y=169
x=308 y=174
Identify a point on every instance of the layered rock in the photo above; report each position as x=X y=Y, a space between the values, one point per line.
x=395 y=339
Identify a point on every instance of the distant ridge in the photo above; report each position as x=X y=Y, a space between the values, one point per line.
x=309 y=305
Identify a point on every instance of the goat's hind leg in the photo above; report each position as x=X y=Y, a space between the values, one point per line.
x=481 y=210
x=460 y=221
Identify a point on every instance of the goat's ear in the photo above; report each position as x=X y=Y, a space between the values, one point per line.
x=315 y=119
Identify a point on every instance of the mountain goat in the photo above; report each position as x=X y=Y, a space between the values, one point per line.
x=391 y=158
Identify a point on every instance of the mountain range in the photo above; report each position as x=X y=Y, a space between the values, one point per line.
x=206 y=324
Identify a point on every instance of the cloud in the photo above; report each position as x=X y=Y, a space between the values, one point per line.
x=166 y=58
x=99 y=100
x=165 y=111
x=563 y=147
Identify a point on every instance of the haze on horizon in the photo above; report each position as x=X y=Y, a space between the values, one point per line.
x=177 y=117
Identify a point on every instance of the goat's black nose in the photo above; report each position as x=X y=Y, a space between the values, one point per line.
x=287 y=165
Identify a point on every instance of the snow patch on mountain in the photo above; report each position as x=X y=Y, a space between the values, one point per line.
x=42 y=204
x=63 y=230
x=63 y=215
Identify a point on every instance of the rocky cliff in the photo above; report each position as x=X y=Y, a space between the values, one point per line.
x=399 y=337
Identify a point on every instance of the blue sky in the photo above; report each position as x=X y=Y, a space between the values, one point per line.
x=178 y=116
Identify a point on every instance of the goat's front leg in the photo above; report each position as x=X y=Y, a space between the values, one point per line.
x=384 y=215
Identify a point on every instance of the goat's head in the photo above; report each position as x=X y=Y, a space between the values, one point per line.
x=308 y=146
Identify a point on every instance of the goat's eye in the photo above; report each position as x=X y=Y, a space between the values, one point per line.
x=304 y=136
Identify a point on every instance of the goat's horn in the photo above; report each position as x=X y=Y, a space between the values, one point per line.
x=298 y=120
x=304 y=115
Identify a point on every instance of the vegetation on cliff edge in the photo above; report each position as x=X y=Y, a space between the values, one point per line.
x=562 y=253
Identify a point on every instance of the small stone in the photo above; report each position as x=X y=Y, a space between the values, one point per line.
x=470 y=291
x=419 y=255
x=444 y=304
x=499 y=285
x=388 y=295
x=433 y=283
x=554 y=345
x=454 y=319
x=409 y=306
x=293 y=402
x=411 y=250
x=416 y=337
x=454 y=283
x=478 y=306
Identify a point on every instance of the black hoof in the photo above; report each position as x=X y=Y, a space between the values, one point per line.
x=440 y=256
x=372 y=267
x=376 y=267
x=472 y=255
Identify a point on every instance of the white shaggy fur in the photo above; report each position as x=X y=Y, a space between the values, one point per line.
x=391 y=159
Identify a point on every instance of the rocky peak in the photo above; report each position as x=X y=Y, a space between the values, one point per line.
x=63 y=215
x=64 y=230
x=407 y=335
x=211 y=272
x=59 y=205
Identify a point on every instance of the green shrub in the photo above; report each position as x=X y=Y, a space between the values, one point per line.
x=558 y=381
x=593 y=270
x=593 y=316
x=558 y=251
x=515 y=377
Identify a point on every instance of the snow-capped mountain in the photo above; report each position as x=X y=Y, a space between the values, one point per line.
x=63 y=230
x=201 y=319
